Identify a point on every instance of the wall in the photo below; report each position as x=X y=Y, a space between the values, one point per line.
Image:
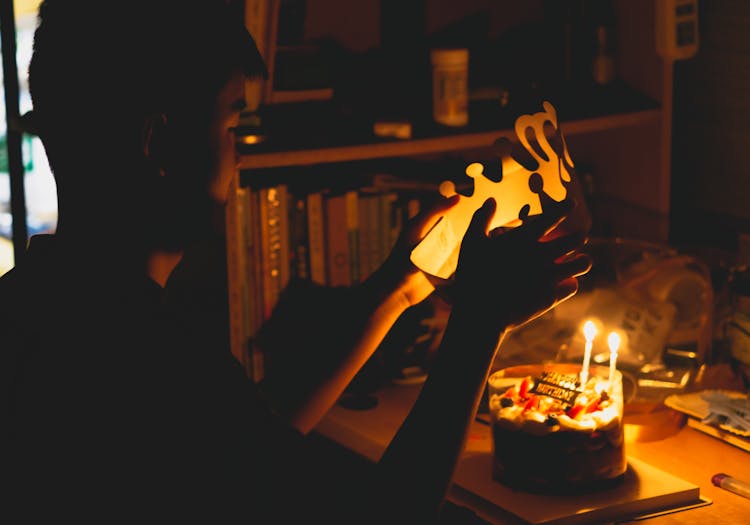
x=711 y=136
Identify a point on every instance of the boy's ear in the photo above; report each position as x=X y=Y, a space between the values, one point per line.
x=153 y=140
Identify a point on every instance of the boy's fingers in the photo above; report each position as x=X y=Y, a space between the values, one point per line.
x=483 y=215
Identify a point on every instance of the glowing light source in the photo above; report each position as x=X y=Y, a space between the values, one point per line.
x=589 y=332
x=252 y=139
x=437 y=253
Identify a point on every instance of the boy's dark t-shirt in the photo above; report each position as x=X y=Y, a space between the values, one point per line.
x=121 y=398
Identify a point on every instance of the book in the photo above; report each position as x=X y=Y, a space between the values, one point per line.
x=255 y=258
x=724 y=435
x=282 y=194
x=274 y=217
x=364 y=234
x=369 y=232
x=298 y=237
x=337 y=240
x=644 y=490
x=252 y=277
x=245 y=242
x=316 y=237
x=235 y=263
x=697 y=407
x=248 y=241
x=390 y=222
x=351 y=199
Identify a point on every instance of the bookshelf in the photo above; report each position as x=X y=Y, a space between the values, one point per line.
x=619 y=133
x=278 y=157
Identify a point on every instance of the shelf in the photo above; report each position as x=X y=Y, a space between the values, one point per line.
x=299 y=135
x=455 y=142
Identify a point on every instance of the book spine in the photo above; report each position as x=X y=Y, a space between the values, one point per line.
x=365 y=257
x=300 y=260
x=247 y=278
x=351 y=199
x=390 y=225
x=255 y=272
x=316 y=237
x=271 y=228
x=337 y=241
x=369 y=232
x=376 y=232
x=285 y=248
x=235 y=269
x=265 y=250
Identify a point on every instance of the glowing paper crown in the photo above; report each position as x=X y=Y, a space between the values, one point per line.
x=520 y=192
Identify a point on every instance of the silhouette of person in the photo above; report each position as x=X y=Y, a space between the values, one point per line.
x=121 y=400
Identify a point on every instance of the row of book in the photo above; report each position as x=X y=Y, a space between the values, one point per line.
x=332 y=238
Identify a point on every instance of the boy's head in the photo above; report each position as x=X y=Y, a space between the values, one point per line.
x=124 y=91
x=134 y=58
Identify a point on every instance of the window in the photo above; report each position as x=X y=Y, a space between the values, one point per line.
x=39 y=186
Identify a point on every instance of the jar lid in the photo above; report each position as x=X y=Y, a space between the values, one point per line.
x=447 y=56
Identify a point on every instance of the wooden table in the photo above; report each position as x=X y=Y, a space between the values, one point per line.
x=677 y=449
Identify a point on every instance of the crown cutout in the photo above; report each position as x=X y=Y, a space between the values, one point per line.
x=531 y=180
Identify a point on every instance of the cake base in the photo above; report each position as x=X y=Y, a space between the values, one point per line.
x=563 y=462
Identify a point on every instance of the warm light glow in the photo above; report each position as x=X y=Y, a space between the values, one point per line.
x=589 y=330
x=252 y=139
x=614 y=342
x=437 y=253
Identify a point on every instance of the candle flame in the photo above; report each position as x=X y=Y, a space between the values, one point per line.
x=589 y=330
x=613 y=341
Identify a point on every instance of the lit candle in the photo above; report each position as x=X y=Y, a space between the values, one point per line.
x=614 y=343
x=589 y=331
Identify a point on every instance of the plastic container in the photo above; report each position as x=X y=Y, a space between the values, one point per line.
x=450 y=86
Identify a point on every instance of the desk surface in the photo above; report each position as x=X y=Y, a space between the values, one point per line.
x=682 y=451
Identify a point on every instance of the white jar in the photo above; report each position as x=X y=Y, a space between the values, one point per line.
x=450 y=86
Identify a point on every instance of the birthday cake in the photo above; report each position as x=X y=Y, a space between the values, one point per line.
x=551 y=433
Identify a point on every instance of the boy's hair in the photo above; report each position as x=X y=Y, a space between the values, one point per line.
x=96 y=65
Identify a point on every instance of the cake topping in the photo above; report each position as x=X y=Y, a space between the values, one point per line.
x=555 y=401
x=563 y=387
